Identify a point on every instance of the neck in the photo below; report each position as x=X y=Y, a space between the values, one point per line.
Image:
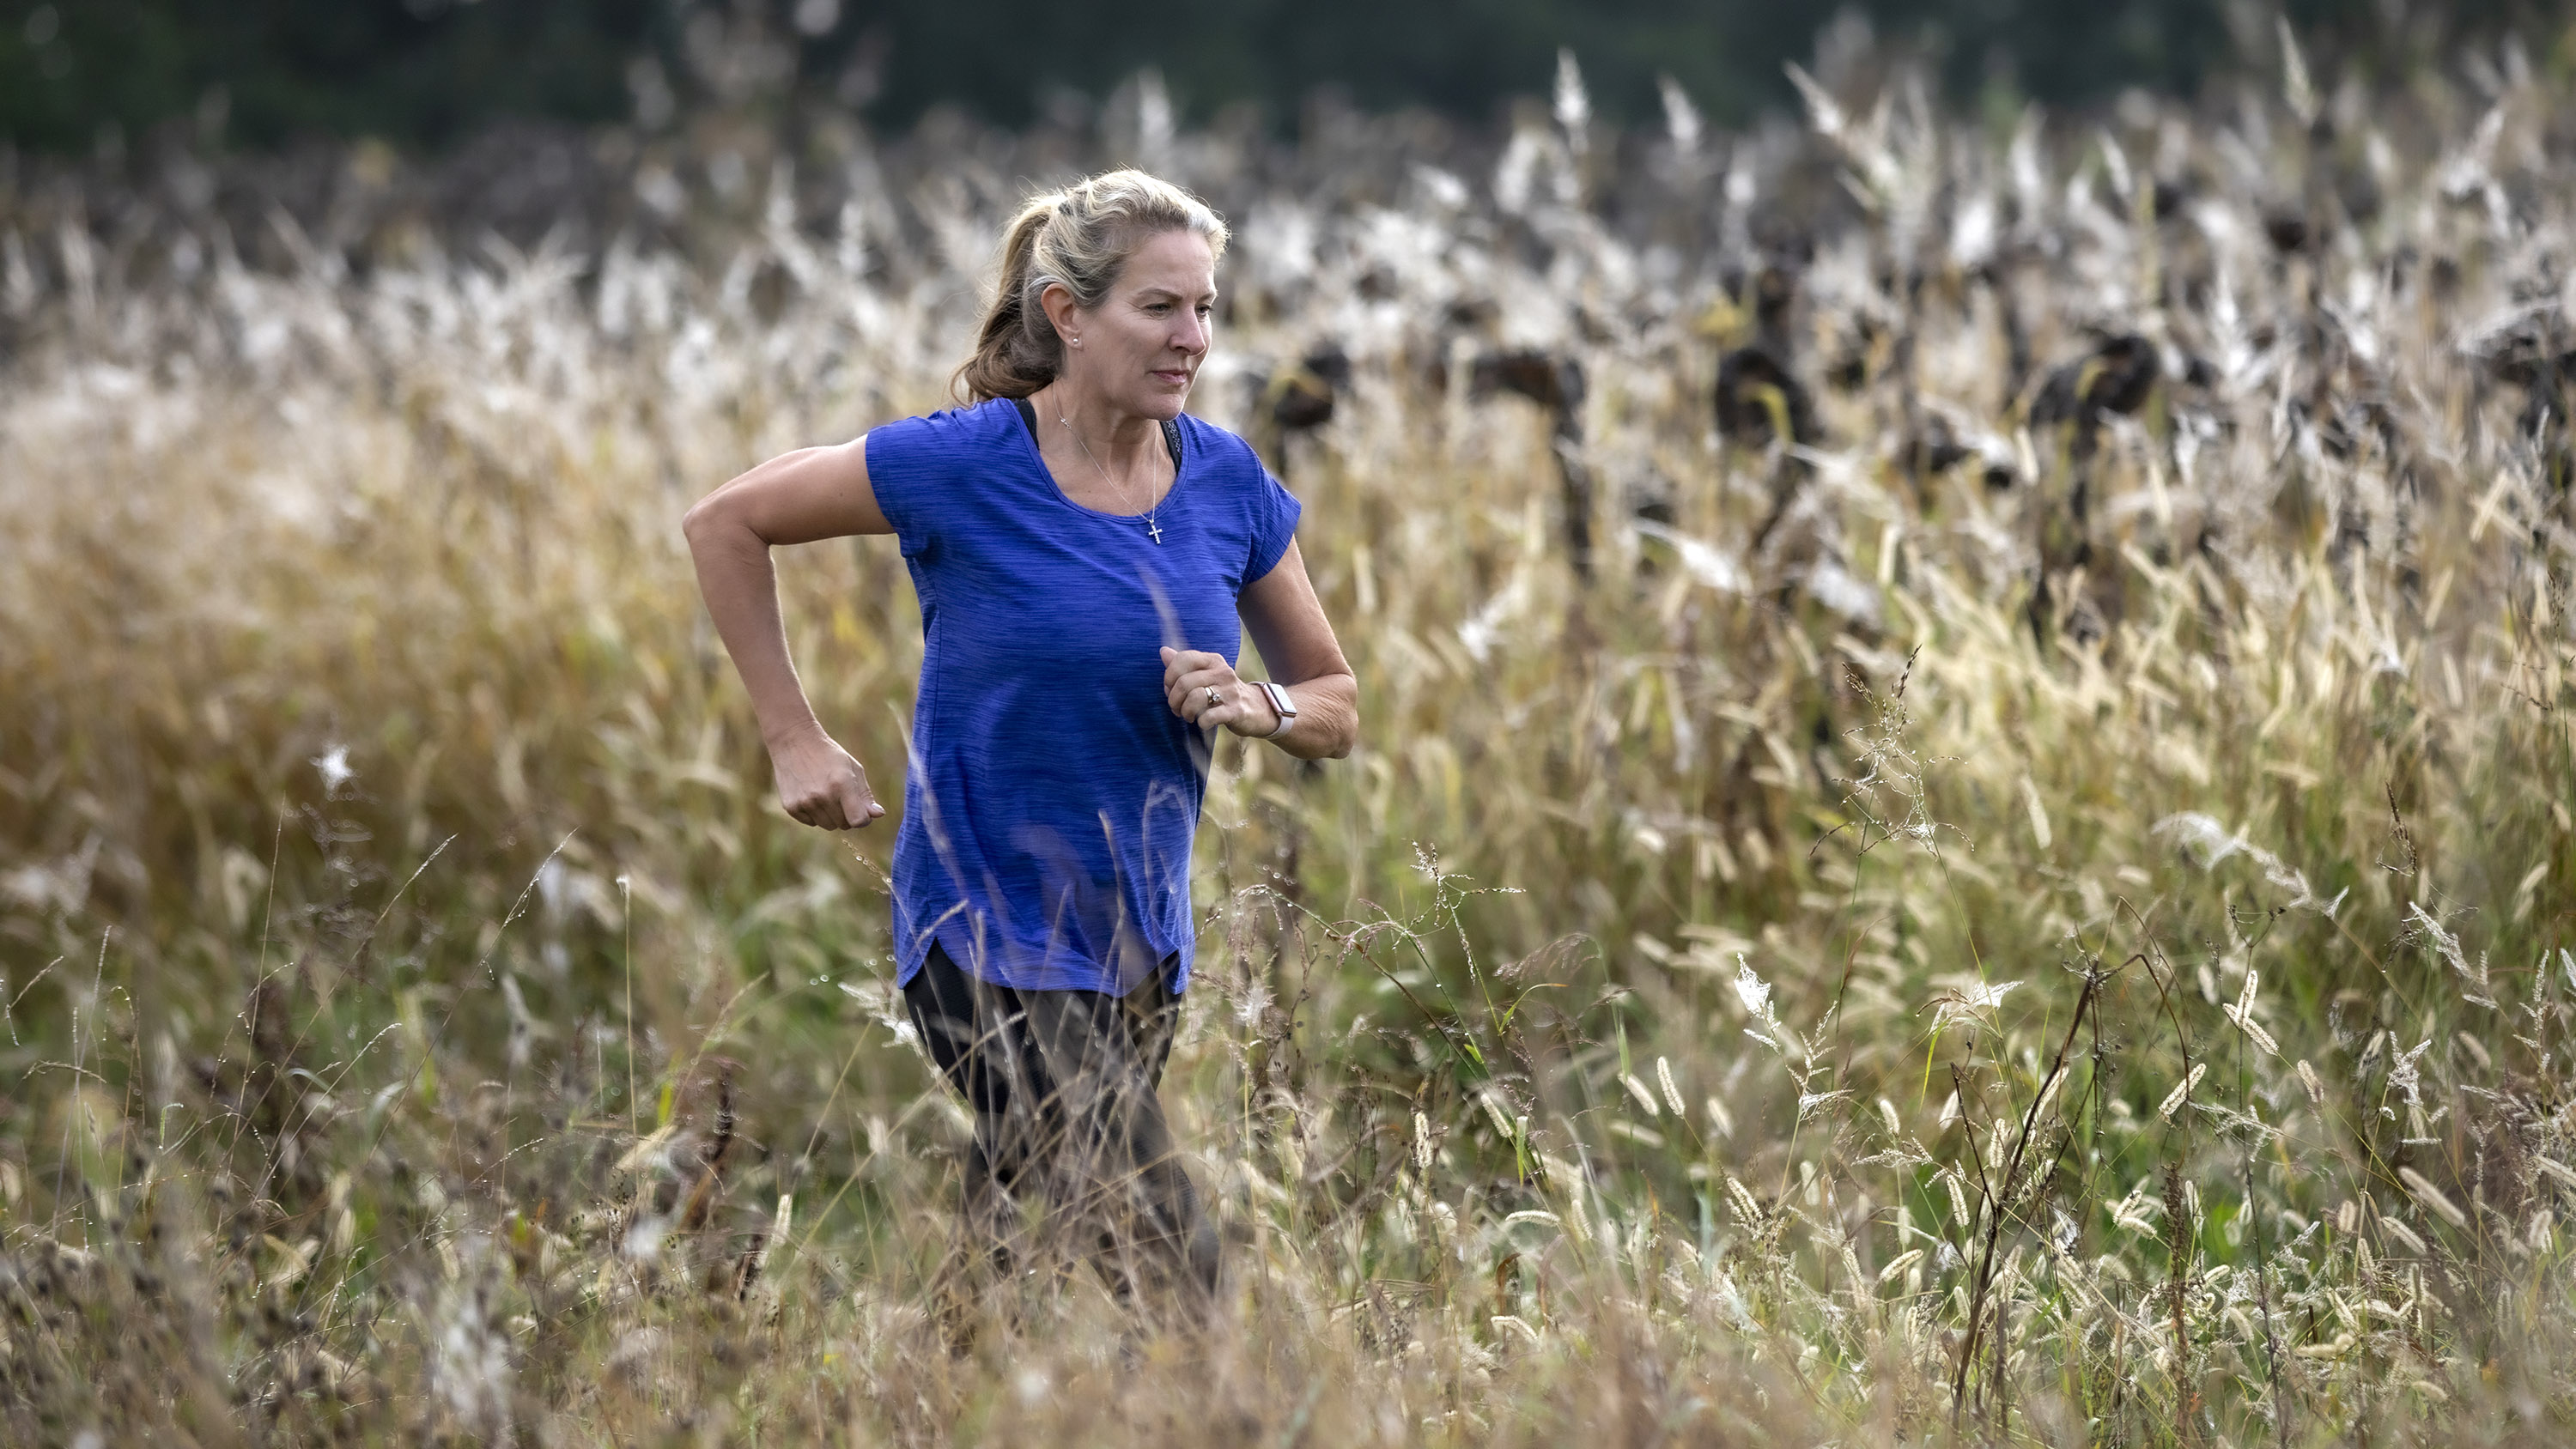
x=1119 y=439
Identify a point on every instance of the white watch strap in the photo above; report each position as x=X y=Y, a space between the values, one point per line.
x=1283 y=705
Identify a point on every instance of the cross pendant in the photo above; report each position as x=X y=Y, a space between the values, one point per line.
x=1154 y=530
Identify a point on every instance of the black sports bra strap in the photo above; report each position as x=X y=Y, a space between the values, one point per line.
x=1171 y=430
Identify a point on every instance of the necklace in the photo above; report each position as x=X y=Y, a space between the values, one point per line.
x=1153 y=530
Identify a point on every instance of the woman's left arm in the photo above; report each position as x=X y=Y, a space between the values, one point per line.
x=1296 y=642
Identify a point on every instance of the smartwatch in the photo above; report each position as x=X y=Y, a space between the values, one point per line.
x=1279 y=701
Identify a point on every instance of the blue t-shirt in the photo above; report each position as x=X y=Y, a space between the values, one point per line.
x=1053 y=795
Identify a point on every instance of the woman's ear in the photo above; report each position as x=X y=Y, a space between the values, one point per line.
x=1058 y=304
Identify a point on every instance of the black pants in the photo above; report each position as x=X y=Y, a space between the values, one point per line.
x=1071 y=1150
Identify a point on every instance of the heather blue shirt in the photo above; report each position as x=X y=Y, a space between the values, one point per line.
x=1053 y=794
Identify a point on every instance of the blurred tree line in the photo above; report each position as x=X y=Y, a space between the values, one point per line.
x=427 y=73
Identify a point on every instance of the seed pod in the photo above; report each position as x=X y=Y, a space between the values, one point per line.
x=2182 y=1093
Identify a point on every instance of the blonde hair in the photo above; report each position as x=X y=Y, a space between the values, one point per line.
x=1079 y=238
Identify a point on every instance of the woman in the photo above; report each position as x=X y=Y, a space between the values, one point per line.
x=1082 y=550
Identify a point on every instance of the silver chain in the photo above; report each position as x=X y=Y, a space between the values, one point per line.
x=1151 y=528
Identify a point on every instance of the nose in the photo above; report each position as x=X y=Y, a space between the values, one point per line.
x=1192 y=335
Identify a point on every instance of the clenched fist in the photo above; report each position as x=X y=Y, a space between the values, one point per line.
x=821 y=785
x=1203 y=689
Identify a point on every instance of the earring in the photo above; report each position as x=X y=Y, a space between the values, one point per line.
x=1076 y=341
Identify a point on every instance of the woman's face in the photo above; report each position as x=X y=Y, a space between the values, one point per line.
x=1141 y=347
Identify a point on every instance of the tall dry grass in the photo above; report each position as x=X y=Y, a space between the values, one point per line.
x=2002 y=919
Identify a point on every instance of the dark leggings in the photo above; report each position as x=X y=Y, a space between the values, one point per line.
x=1070 y=1141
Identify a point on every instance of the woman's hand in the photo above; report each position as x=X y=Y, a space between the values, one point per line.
x=821 y=785
x=1203 y=689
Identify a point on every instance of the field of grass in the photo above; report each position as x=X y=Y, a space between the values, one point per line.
x=2021 y=890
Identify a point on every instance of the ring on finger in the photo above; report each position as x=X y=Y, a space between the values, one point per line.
x=1214 y=698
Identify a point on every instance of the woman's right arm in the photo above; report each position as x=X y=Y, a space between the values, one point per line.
x=799 y=497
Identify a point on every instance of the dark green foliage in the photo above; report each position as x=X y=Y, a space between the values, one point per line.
x=267 y=71
x=429 y=72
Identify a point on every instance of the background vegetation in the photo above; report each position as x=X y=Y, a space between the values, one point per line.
x=438 y=72
x=1964 y=827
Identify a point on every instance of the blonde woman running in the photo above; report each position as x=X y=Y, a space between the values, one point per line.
x=1083 y=550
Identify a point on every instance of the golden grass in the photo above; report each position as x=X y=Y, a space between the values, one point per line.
x=1784 y=986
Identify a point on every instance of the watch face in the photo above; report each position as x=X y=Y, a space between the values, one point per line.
x=1279 y=700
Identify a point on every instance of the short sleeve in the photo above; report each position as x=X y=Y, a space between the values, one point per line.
x=901 y=457
x=1274 y=525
